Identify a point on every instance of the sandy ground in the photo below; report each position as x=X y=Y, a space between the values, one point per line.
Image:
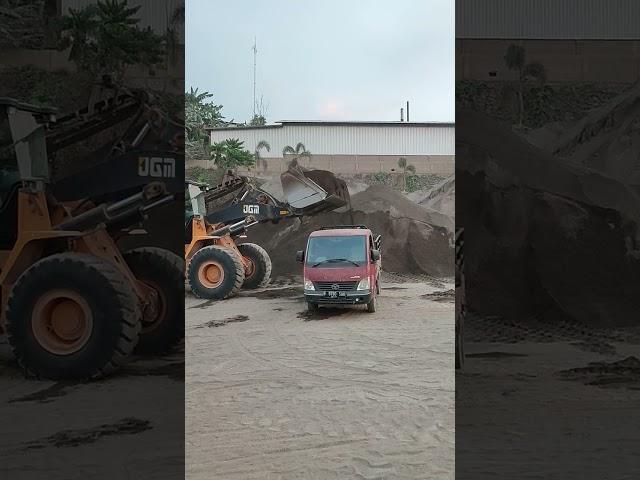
x=274 y=393
x=560 y=399
x=129 y=425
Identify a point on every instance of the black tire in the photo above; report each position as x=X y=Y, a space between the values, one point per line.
x=261 y=273
x=372 y=305
x=312 y=307
x=228 y=261
x=164 y=271
x=102 y=289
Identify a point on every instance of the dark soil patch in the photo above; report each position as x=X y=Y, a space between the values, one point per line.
x=394 y=288
x=596 y=346
x=447 y=296
x=174 y=370
x=206 y=304
x=495 y=355
x=46 y=395
x=623 y=373
x=220 y=323
x=322 y=314
x=288 y=292
x=75 y=438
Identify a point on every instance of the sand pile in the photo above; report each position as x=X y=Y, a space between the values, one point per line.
x=606 y=140
x=415 y=240
x=536 y=228
x=442 y=197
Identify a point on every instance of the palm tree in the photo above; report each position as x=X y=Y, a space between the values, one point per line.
x=299 y=151
x=262 y=144
x=515 y=59
x=402 y=163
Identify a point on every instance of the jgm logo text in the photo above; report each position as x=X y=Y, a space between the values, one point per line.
x=250 y=209
x=156 y=167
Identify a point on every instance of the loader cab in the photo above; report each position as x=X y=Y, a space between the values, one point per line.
x=23 y=158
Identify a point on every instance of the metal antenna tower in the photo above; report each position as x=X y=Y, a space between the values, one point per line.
x=255 y=54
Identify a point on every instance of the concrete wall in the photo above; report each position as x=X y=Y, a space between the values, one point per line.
x=442 y=165
x=615 y=61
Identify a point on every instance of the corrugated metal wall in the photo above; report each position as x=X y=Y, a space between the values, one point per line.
x=156 y=14
x=349 y=140
x=548 y=19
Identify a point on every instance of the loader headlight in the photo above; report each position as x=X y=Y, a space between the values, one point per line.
x=308 y=285
x=364 y=284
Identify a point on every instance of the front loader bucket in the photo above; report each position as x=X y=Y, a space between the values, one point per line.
x=306 y=195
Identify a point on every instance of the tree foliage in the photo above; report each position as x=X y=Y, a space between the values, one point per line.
x=298 y=152
x=231 y=154
x=200 y=112
x=406 y=167
x=515 y=59
x=262 y=145
x=105 y=38
x=21 y=23
x=258 y=120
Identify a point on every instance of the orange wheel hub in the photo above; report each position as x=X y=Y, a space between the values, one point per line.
x=211 y=274
x=62 y=321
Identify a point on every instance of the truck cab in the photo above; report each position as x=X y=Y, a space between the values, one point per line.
x=341 y=266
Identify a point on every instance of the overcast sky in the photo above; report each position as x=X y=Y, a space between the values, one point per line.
x=324 y=60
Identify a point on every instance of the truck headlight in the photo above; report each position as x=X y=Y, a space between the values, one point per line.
x=308 y=285
x=364 y=284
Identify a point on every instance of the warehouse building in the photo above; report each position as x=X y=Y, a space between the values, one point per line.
x=351 y=147
x=576 y=40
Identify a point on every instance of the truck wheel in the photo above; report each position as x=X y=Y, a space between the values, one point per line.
x=259 y=272
x=372 y=305
x=163 y=271
x=72 y=316
x=312 y=307
x=215 y=273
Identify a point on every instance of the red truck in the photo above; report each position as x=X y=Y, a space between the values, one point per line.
x=341 y=267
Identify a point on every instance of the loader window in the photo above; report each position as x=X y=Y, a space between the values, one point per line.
x=9 y=174
x=338 y=251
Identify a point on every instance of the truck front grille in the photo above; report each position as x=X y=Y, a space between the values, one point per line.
x=341 y=286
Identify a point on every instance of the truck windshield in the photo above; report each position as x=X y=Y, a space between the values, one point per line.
x=336 y=251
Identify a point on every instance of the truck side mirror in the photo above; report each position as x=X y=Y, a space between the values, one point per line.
x=300 y=256
x=377 y=242
x=375 y=255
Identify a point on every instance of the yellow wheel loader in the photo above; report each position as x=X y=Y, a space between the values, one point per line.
x=216 y=218
x=73 y=305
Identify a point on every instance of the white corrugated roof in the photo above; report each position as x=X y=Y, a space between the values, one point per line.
x=348 y=138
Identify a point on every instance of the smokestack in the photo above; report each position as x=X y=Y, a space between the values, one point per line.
x=402 y=114
x=407 y=110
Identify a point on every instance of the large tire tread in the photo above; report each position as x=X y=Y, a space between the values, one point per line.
x=168 y=267
x=221 y=252
x=127 y=310
x=261 y=259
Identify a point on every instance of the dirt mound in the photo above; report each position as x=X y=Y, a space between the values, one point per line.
x=414 y=240
x=379 y=198
x=536 y=227
x=442 y=197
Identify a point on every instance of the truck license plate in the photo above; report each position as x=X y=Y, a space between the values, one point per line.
x=335 y=294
